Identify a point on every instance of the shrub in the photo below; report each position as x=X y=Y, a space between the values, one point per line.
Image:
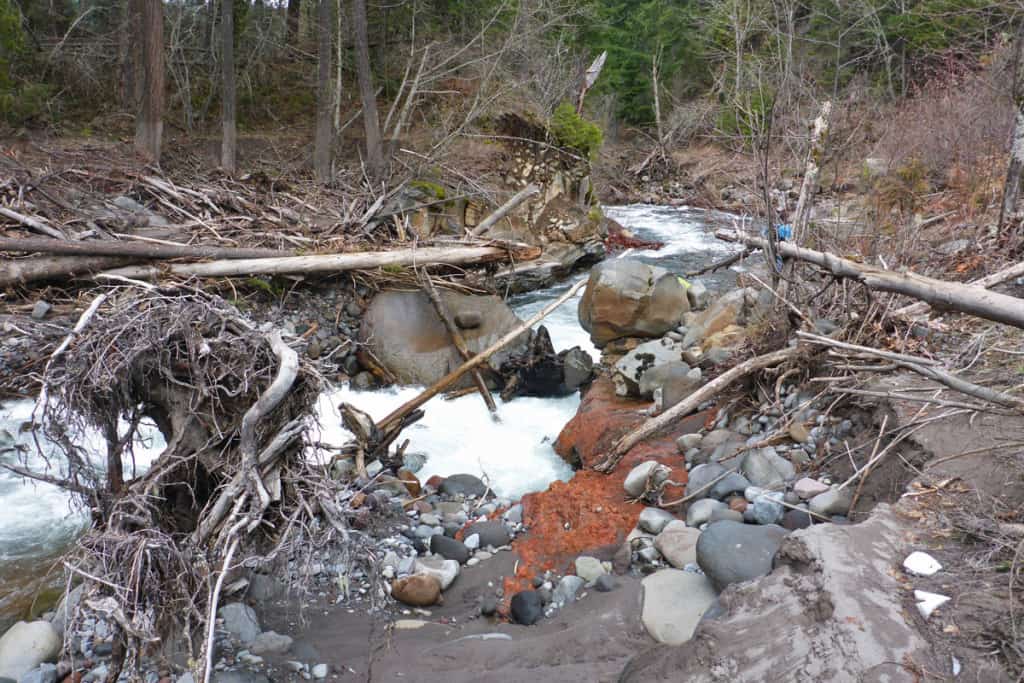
x=574 y=132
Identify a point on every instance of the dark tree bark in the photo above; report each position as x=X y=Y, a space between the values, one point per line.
x=229 y=140
x=324 y=119
x=294 y=12
x=1011 y=187
x=149 y=78
x=367 y=93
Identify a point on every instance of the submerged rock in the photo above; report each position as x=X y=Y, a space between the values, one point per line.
x=627 y=298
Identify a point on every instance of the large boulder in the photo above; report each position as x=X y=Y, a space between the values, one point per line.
x=627 y=298
x=674 y=602
x=732 y=552
x=25 y=646
x=652 y=366
x=731 y=311
x=404 y=333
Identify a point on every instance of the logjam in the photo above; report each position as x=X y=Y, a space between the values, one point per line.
x=938 y=293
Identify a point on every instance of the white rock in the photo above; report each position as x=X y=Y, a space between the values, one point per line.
x=443 y=570
x=636 y=480
x=929 y=602
x=588 y=568
x=472 y=541
x=319 y=671
x=25 y=646
x=808 y=488
x=921 y=564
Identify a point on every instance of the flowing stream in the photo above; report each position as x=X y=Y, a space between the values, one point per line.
x=38 y=522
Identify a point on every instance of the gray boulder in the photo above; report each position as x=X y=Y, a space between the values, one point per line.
x=700 y=511
x=463 y=485
x=765 y=468
x=25 y=646
x=674 y=384
x=731 y=552
x=674 y=602
x=699 y=483
x=491 y=533
x=831 y=502
x=627 y=298
x=653 y=520
x=270 y=642
x=677 y=543
x=567 y=589
x=404 y=333
x=733 y=483
x=240 y=621
x=643 y=369
x=44 y=673
x=636 y=480
x=577 y=368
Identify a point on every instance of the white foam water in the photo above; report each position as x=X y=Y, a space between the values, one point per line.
x=514 y=452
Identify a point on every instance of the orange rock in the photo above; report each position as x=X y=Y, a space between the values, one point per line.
x=411 y=481
x=738 y=503
x=418 y=590
x=358 y=500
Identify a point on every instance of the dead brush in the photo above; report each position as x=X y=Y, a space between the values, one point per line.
x=234 y=488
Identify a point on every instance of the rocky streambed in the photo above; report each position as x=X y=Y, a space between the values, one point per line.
x=503 y=556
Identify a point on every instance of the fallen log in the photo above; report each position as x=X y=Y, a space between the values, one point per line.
x=333 y=263
x=32 y=223
x=968 y=299
x=992 y=280
x=924 y=368
x=457 y=339
x=690 y=403
x=505 y=209
x=26 y=270
x=139 y=251
x=399 y=413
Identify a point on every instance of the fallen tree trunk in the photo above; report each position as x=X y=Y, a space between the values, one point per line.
x=955 y=296
x=32 y=223
x=690 y=403
x=453 y=376
x=457 y=339
x=992 y=280
x=925 y=368
x=26 y=270
x=137 y=250
x=505 y=209
x=332 y=263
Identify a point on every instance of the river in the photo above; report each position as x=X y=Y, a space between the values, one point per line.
x=38 y=522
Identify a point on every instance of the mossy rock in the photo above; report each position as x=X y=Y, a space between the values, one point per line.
x=429 y=188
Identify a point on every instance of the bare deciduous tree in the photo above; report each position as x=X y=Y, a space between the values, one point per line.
x=148 y=25
x=367 y=93
x=229 y=141
x=324 y=96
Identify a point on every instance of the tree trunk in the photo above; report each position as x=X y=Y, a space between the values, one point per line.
x=149 y=95
x=334 y=263
x=229 y=141
x=40 y=268
x=367 y=93
x=133 y=249
x=955 y=296
x=292 y=28
x=1011 y=188
x=324 y=124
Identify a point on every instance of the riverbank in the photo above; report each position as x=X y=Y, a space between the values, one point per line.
x=618 y=557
